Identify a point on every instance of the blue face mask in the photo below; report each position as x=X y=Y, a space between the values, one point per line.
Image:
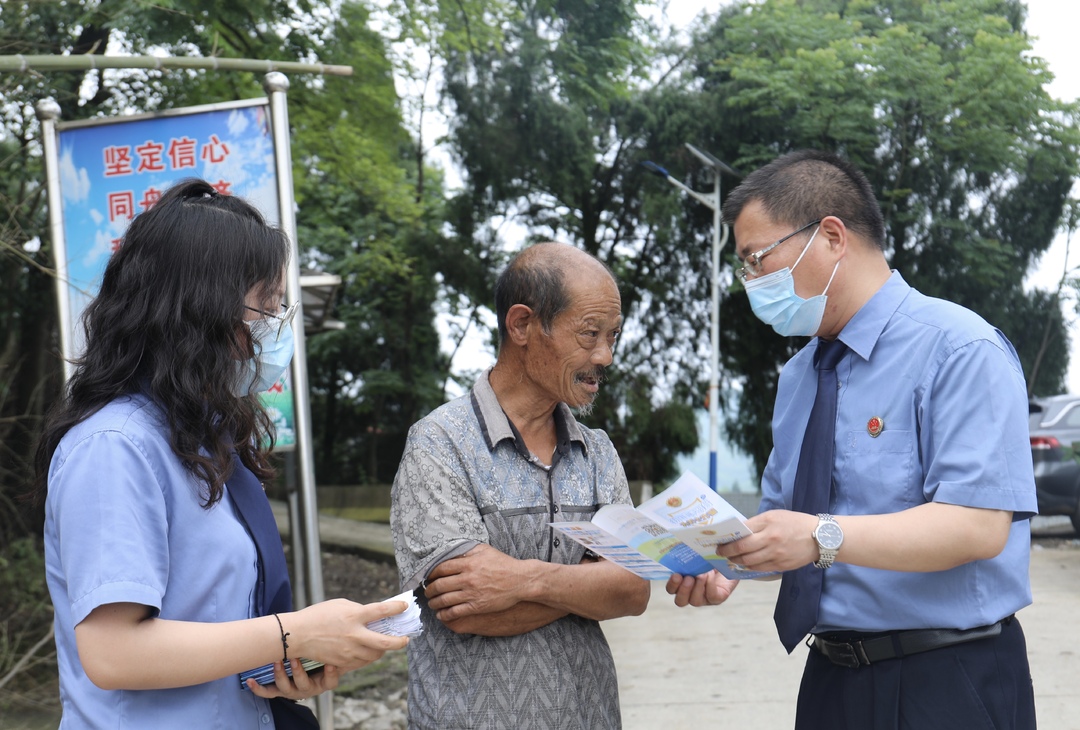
x=273 y=352
x=774 y=301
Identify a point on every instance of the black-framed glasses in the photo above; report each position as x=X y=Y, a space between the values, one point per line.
x=752 y=264
x=288 y=311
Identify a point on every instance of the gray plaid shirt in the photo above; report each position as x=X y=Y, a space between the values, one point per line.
x=466 y=478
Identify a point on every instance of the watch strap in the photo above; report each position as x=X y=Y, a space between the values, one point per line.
x=826 y=556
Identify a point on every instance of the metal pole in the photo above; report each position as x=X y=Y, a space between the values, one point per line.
x=90 y=61
x=296 y=532
x=719 y=239
x=48 y=111
x=714 y=376
x=276 y=85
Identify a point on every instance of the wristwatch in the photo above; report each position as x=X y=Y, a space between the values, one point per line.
x=829 y=538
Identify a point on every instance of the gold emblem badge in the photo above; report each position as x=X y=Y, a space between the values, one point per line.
x=875 y=426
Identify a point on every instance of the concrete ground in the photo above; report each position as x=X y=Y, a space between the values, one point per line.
x=724 y=666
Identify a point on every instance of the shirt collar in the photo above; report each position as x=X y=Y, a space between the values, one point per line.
x=863 y=330
x=496 y=425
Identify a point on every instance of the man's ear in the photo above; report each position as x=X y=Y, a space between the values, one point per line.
x=518 y=319
x=836 y=235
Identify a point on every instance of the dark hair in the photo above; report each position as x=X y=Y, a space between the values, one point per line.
x=536 y=277
x=808 y=185
x=168 y=322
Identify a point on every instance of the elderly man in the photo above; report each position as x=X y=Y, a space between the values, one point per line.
x=900 y=484
x=511 y=611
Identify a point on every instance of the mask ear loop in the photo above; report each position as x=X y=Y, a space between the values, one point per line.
x=806 y=248
x=834 y=270
x=808 y=244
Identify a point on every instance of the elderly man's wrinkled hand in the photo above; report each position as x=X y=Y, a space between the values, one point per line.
x=707 y=589
x=483 y=580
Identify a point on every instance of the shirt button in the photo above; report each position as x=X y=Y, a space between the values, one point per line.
x=556 y=543
x=265 y=719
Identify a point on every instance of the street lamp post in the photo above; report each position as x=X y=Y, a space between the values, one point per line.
x=719 y=239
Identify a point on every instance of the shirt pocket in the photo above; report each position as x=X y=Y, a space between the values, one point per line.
x=877 y=475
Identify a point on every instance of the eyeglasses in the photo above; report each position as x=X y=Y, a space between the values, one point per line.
x=284 y=319
x=752 y=264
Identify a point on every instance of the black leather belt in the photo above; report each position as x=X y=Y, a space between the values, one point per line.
x=854 y=653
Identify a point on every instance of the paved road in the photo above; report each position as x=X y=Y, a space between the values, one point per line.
x=724 y=666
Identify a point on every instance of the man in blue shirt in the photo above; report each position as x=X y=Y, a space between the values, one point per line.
x=922 y=552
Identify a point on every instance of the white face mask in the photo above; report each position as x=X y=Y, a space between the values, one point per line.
x=273 y=352
x=774 y=301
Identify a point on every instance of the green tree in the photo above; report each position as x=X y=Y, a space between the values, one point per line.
x=359 y=196
x=546 y=123
x=940 y=103
x=369 y=211
x=943 y=107
x=361 y=213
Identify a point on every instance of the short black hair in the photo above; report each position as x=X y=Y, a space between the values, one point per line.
x=808 y=185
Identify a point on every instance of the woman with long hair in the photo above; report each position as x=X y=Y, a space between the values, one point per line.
x=163 y=562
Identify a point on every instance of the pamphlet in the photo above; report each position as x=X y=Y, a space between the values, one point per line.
x=406 y=623
x=677 y=531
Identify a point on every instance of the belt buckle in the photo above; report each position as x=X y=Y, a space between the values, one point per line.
x=846 y=654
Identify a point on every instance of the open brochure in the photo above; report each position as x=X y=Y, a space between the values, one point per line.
x=406 y=623
x=677 y=531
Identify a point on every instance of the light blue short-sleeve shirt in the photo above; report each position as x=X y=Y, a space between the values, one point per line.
x=949 y=393
x=125 y=523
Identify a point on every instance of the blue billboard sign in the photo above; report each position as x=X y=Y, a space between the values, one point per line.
x=111 y=170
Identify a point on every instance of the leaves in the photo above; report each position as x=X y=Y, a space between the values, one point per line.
x=941 y=104
x=943 y=108
x=552 y=106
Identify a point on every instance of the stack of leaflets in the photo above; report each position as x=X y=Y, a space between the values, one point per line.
x=677 y=531
x=265 y=674
x=406 y=623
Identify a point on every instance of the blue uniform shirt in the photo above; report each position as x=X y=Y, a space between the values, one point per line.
x=950 y=395
x=125 y=523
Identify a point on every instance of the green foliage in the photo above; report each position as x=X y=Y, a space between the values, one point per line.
x=545 y=123
x=944 y=109
x=360 y=514
x=650 y=437
x=553 y=104
x=30 y=370
x=363 y=211
x=25 y=622
x=363 y=217
x=941 y=104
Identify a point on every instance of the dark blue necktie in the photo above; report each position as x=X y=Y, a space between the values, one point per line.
x=800 y=590
x=274 y=593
